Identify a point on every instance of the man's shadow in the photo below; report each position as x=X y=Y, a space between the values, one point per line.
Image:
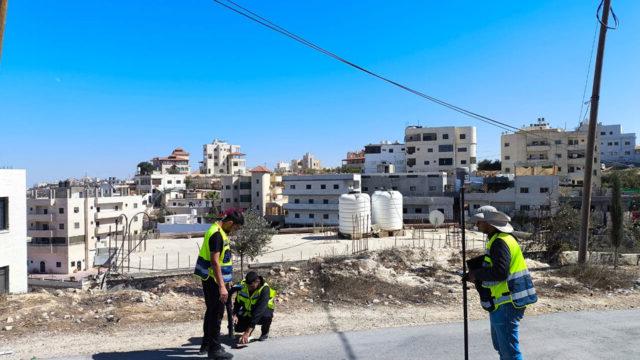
x=186 y=351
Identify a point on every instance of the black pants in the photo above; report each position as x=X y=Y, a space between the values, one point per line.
x=244 y=322
x=213 y=315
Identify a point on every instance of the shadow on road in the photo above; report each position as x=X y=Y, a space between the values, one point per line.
x=189 y=350
x=348 y=349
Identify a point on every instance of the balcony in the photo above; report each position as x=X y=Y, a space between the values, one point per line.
x=107 y=214
x=40 y=217
x=538 y=147
x=311 y=207
x=40 y=233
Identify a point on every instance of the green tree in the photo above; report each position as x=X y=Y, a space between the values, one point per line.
x=145 y=168
x=488 y=165
x=616 y=232
x=173 y=170
x=252 y=238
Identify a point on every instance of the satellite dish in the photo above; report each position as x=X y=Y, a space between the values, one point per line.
x=436 y=218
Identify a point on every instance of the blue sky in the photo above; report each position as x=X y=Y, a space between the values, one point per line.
x=93 y=88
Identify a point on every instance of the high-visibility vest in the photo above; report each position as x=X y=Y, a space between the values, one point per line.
x=518 y=287
x=249 y=301
x=203 y=269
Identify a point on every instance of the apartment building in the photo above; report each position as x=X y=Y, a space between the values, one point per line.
x=542 y=150
x=307 y=163
x=533 y=196
x=354 y=162
x=157 y=182
x=313 y=199
x=385 y=157
x=435 y=149
x=283 y=167
x=176 y=163
x=13 y=231
x=196 y=203
x=247 y=192
x=221 y=158
x=421 y=193
x=616 y=147
x=68 y=223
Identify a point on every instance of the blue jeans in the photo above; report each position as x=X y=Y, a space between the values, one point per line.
x=504 y=331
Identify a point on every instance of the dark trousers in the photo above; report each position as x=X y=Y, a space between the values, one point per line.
x=245 y=322
x=213 y=314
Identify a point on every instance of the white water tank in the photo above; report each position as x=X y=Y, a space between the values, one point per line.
x=386 y=210
x=354 y=211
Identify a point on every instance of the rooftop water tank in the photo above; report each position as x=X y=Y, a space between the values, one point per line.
x=386 y=210
x=354 y=211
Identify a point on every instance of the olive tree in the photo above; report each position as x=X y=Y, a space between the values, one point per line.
x=252 y=238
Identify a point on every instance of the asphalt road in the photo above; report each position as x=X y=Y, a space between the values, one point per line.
x=566 y=336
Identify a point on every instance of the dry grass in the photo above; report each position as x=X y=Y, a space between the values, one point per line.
x=600 y=276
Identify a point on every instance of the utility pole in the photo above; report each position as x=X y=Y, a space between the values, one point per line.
x=3 y=18
x=593 y=122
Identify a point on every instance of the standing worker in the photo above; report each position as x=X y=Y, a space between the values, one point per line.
x=253 y=306
x=215 y=268
x=503 y=281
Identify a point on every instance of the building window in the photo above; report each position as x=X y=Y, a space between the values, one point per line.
x=325 y=216
x=297 y=216
x=525 y=207
x=325 y=201
x=524 y=190
x=296 y=201
x=228 y=200
x=559 y=168
x=429 y=137
x=257 y=181
x=507 y=157
x=311 y=216
x=323 y=186
x=445 y=148
x=559 y=156
x=116 y=208
x=411 y=162
x=544 y=190
x=169 y=181
x=463 y=136
x=445 y=136
x=61 y=226
x=418 y=210
x=390 y=150
x=58 y=264
x=76 y=225
x=432 y=188
x=394 y=188
x=627 y=143
x=463 y=162
x=462 y=149
x=308 y=186
x=506 y=144
x=257 y=193
x=603 y=133
x=135 y=205
x=292 y=187
x=430 y=150
x=76 y=209
x=412 y=188
x=336 y=187
x=310 y=201
x=473 y=159
x=4 y=213
x=445 y=161
x=61 y=211
x=73 y=263
x=507 y=170
x=364 y=188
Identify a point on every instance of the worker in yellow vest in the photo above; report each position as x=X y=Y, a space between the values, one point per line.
x=215 y=268
x=254 y=306
x=503 y=281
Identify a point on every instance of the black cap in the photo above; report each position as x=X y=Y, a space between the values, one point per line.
x=251 y=277
x=235 y=216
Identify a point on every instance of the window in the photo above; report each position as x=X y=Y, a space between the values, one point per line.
x=292 y=187
x=430 y=150
x=61 y=226
x=445 y=136
x=61 y=211
x=58 y=264
x=445 y=161
x=135 y=219
x=297 y=216
x=463 y=136
x=308 y=186
x=116 y=208
x=429 y=137
x=411 y=149
x=426 y=162
x=525 y=207
x=73 y=263
x=394 y=188
x=178 y=181
x=336 y=186
x=615 y=143
x=507 y=170
x=544 y=190
x=228 y=187
x=228 y=200
x=462 y=149
x=44 y=211
x=463 y=162
x=135 y=205
x=390 y=150
x=571 y=169
x=610 y=132
x=296 y=201
x=364 y=188
x=603 y=133
x=325 y=201
x=524 y=190
x=558 y=142
x=76 y=210
x=257 y=181
x=311 y=216
x=325 y=216
x=418 y=211
x=310 y=201
x=169 y=181
x=627 y=143
x=412 y=188
x=573 y=141
x=445 y=148
x=76 y=225
x=323 y=186
x=609 y=143
x=432 y=188
x=473 y=159
x=507 y=157
x=559 y=156
x=4 y=213
x=245 y=198
x=506 y=144
x=257 y=193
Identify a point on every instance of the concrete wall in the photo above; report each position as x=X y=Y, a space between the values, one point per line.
x=13 y=238
x=393 y=154
x=429 y=148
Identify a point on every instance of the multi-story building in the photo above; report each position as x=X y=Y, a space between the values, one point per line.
x=385 y=157
x=421 y=193
x=535 y=196
x=615 y=147
x=196 y=203
x=157 y=182
x=542 y=150
x=13 y=231
x=247 y=192
x=354 y=161
x=434 y=149
x=221 y=158
x=313 y=199
x=307 y=163
x=176 y=163
x=283 y=167
x=68 y=223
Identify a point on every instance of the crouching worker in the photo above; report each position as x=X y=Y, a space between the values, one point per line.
x=253 y=306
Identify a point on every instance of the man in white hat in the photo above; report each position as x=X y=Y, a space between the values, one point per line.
x=504 y=281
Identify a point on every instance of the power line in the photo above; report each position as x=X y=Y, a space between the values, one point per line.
x=586 y=81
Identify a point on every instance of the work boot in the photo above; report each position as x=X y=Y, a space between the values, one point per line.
x=219 y=354
x=204 y=348
x=263 y=337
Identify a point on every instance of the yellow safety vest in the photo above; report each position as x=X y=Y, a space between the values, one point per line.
x=203 y=269
x=248 y=301
x=518 y=287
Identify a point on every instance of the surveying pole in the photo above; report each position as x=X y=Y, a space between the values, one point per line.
x=3 y=18
x=591 y=137
x=464 y=271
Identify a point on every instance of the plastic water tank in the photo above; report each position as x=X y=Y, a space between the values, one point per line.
x=386 y=210
x=354 y=211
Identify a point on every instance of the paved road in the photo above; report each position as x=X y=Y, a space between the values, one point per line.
x=566 y=336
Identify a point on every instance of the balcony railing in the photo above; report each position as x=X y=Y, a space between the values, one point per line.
x=40 y=217
x=40 y=233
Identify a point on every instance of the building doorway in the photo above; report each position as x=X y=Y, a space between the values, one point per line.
x=42 y=267
x=4 y=280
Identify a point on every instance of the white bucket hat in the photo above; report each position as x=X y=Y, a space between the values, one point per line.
x=493 y=217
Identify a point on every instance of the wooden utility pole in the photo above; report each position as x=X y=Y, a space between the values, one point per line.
x=591 y=139
x=3 y=18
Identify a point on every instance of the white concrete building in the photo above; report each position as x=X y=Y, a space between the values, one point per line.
x=313 y=199
x=283 y=167
x=13 y=231
x=68 y=223
x=176 y=163
x=530 y=195
x=385 y=157
x=615 y=147
x=430 y=149
x=542 y=150
x=221 y=158
x=157 y=182
x=247 y=192
x=307 y=163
